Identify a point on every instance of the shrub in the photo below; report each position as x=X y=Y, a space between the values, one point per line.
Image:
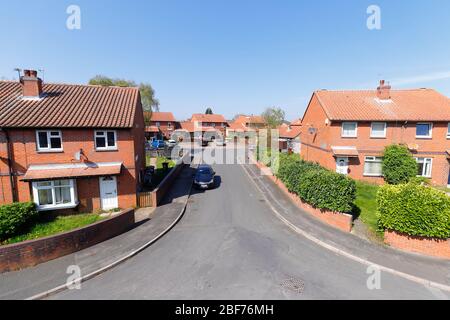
x=15 y=216
x=399 y=166
x=415 y=210
x=317 y=186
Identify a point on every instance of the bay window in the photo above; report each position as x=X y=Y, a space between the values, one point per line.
x=49 y=140
x=373 y=166
x=105 y=140
x=55 y=194
x=424 y=167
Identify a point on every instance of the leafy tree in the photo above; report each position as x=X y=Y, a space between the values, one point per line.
x=208 y=111
x=148 y=99
x=399 y=166
x=273 y=117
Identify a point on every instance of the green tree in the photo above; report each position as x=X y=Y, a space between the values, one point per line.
x=148 y=99
x=273 y=117
x=208 y=111
x=399 y=166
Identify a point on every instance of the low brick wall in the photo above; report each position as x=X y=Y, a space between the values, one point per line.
x=428 y=246
x=30 y=253
x=338 y=220
x=159 y=193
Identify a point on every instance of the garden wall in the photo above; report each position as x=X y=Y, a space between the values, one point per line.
x=428 y=246
x=30 y=253
x=338 y=220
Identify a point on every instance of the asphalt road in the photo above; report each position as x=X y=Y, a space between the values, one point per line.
x=230 y=245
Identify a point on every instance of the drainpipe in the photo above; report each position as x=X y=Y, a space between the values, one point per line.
x=10 y=170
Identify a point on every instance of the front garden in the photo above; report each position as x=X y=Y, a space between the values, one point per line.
x=406 y=204
x=21 y=222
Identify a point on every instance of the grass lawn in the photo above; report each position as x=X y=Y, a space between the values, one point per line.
x=47 y=226
x=366 y=202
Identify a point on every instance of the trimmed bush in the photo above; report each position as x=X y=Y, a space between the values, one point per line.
x=415 y=210
x=14 y=216
x=317 y=186
x=399 y=166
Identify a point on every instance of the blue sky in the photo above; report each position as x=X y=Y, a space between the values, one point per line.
x=237 y=56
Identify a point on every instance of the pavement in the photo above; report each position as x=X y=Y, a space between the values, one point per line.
x=231 y=244
x=151 y=225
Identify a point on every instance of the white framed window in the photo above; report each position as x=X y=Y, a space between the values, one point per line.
x=223 y=125
x=448 y=131
x=55 y=194
x=158 y=124
x=378 y=130
x=106 y=140
x=169 y=125
x=424 y=130
x=213 y=125
x=49 y=140
x=425 y=167
x=349 y=129
x=373 y=167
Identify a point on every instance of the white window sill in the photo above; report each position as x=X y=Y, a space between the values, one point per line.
x=423 y=137
x=373 y=137
x=106 y=149
x=57 y=207
x=50 y=151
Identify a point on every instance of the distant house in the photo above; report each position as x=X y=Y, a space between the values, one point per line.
x=161 y=125
x=347 y=131
x=70 y=147
x=251 y=122
x=289 y=137
x=212 y=125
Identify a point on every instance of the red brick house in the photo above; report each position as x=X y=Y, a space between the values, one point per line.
x=70 y=147
x=161 y=125
x=251 y=122
x=207 y=122
x=347 y=131
x=289 y=136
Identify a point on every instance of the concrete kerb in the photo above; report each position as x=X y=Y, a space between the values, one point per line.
x=348 y=255
x=95 y=273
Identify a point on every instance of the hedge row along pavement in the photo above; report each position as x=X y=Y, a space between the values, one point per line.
x=13 y=217
x=317 y=186
x=415 y=210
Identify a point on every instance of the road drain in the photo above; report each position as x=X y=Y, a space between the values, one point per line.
x=293 y=284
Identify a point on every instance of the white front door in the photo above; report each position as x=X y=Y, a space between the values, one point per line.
x=342 y=165
x=108 y=193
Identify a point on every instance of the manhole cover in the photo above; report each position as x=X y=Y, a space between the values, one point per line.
x=293 y=284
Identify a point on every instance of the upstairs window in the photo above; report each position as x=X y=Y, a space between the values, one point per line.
x=424 y=130
x=349 y=129
x=378 y=130
x=105 y=140
x=169 y=125
x=158 y=124
x=448 y=131
x=49 y=140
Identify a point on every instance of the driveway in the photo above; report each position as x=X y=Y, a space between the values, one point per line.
x=230 y=245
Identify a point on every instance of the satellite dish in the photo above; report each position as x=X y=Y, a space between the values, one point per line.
x=77 y=156
x=312 y=130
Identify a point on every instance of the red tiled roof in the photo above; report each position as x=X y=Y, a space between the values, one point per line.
x=250 y=119
x=404 y=105
x=208 y=118
x=289 y=132
x=154 y=129
x=297 y=122
x=191 y=127
x=71 y=170
x=236 y=126
x=163 y=116
x=68 y=106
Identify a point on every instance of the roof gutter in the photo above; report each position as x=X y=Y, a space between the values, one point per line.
x=10 y=170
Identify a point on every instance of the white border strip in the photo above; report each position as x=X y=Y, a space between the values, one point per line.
x=344 y=253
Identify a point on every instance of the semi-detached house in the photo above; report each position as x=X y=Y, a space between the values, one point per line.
x=347 y=131
x=70 y=147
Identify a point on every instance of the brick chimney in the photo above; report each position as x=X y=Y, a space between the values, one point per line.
x=31 y=84
x=384 y=91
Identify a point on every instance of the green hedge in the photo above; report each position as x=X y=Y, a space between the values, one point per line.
x=415 y=210
x=317 y=186
x=14 y=216
x=399 y=165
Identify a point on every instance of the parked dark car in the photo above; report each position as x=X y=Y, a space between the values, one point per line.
x=204 y=177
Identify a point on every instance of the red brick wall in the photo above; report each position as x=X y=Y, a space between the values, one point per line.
x=338 y=220
x=317 y=148
x=30 y=253
x=428 y=246
x=165 y=129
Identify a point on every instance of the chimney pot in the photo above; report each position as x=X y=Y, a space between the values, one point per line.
x=384 y=91
x=31 y=84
